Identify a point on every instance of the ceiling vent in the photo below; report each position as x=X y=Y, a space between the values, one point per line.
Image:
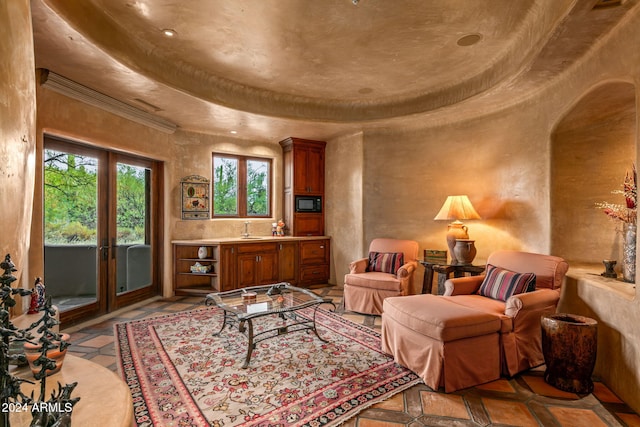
x=607 y=3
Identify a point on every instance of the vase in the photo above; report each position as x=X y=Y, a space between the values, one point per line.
x=465 y=251
x=34 y=351
x=203 y=252
x=455 y=231
x=629 y=253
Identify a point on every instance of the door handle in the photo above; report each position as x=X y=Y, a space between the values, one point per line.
x=104 y=249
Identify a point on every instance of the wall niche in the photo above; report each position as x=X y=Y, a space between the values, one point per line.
x=592 y=148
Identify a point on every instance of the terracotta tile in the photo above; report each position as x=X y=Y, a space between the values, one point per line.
x=574 y=417
x=103 y=360
x=443 y=405
x=177 y=307
x=603 y=393
x=395 y=403
x=364 y=422
x=508 y=412
x=497 y=385
x=97 y=342
x=539 y=386
x=132 y=314
x=632 y=420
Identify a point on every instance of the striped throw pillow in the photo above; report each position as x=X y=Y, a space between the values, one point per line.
x=501 y=284
x=386 y=262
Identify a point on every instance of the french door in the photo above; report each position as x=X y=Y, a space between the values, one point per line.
x=101 y=225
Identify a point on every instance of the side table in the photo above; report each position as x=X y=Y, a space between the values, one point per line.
x=444 y=272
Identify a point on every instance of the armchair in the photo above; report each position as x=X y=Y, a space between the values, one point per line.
x=382 y=274
x=520 y=336
x=478 y=330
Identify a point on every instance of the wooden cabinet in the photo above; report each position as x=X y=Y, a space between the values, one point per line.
x=257 y=264
x=314 y=262
x=185 y=257
x=308 y=167
x=228 y=268
x=301 y=262
x=288 y=262
x=303 y=162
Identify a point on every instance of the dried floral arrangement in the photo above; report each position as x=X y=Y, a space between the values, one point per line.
x=626 y=213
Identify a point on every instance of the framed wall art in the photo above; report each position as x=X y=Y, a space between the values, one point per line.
x=195 y=197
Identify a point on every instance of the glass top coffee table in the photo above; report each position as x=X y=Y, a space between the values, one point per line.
x=243 y=306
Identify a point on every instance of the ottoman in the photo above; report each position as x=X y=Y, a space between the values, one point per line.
x=446 y=344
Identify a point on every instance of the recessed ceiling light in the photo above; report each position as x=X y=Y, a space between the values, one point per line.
x=469 y=39
x=233 y=132
x=169 y=32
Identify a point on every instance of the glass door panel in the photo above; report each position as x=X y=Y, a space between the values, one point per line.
x=132 y=237
x=71 y=234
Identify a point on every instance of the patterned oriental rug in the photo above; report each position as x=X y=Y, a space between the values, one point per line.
x=181 y=375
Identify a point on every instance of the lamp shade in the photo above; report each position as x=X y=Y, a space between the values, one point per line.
x=456 y=208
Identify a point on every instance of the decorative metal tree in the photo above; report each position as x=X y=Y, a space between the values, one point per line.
x=10 y=385
x=57 y=410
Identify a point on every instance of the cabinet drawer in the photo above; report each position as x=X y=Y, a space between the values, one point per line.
x=314 y=274
x=314 y=252
x=248 y=248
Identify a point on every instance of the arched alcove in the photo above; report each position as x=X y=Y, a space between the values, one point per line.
x=593 y=147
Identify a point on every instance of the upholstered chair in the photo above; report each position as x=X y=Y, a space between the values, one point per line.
x=482 y=327
x=387 y=271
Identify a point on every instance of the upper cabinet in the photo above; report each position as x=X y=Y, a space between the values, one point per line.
x=303 y=161
x=308 y=168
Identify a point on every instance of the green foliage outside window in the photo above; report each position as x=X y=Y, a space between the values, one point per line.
x=225 y=186
x=241 y=196
x=71 y=206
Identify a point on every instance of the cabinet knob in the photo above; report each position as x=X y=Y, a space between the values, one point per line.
x=321 y=246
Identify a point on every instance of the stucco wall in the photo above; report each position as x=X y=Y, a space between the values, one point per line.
x=17 y=132
x=344 y=199
x=397 y=180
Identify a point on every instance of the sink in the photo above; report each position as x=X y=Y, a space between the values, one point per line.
x=251 y=238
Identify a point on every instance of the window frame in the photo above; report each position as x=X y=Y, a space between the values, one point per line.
x=242 y=185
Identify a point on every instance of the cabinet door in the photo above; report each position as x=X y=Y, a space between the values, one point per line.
x=308 y=224
x=267 y=268
x=227 y=274
x=247 y=270
x=315 y=170
x=300 y=170
x=288 y=262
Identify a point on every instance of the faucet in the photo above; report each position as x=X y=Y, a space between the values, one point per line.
x=246 y=229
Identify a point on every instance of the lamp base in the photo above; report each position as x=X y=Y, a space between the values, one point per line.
x=455 y=231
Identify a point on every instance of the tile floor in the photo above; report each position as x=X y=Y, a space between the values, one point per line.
x=525 y=400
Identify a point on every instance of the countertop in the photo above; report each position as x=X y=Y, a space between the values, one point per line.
x=251 y=239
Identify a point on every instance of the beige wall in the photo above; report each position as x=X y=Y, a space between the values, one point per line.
x=17 y=133
x=344 y=203
x=397 y=181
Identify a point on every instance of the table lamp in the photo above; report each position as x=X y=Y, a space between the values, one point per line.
x=456 y=208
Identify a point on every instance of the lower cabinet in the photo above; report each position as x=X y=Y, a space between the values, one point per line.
x=239 y=265
x=288 y=262
x=257 y=264
x=314 y=262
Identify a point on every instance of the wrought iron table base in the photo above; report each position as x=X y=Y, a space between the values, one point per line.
x=245 y=327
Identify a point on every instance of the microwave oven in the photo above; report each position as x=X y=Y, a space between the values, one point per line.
x=308 y=204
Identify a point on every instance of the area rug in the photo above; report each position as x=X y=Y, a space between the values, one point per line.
x=181 y=375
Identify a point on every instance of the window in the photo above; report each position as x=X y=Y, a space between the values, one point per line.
x=241 y=186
